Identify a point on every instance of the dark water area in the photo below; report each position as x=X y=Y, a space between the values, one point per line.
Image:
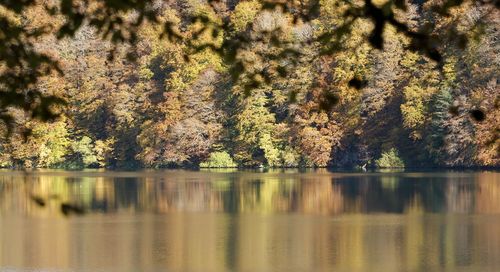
x=176 y=220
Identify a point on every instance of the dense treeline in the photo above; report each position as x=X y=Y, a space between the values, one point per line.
x=167 y=105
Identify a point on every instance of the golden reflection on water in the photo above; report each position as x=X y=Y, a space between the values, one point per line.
x=244 y=221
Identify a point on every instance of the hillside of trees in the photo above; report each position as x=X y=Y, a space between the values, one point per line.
x=157 y=103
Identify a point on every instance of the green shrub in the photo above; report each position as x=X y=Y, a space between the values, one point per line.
x=390 y=159
x=218 y=160
x=85 y=150
x=290 y=157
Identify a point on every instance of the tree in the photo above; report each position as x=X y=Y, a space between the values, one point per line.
x=437 y=128
x=279 y=84
x=119 y=21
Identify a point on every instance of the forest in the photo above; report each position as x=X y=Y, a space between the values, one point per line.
x=158 y=103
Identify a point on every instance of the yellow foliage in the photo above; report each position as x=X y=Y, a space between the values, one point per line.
x=244 y=14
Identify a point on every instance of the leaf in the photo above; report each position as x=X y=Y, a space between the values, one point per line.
x=477 y=115
x=67 y=209
x=357 y=83
x=38 y=200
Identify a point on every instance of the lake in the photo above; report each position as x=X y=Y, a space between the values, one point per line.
x=281 y=220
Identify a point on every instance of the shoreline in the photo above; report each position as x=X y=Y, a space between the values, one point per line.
x=264 y=169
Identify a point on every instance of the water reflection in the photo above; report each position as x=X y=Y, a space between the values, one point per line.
x=278 y=221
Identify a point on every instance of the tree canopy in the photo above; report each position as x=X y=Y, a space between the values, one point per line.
x=279 y=83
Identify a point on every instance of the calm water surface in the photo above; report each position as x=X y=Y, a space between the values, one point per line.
x=249 y=221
